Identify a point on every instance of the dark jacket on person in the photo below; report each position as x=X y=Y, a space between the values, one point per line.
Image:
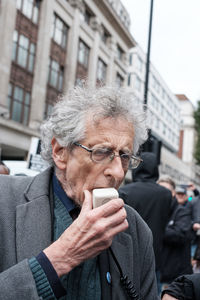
x=177 y=243
x=185 y=287
x=196 y=219
x=150 y=200
x=196 y=209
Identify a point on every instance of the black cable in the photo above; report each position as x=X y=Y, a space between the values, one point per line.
x=126 y=283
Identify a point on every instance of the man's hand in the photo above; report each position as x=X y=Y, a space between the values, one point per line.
x=168 y=297
x=91 y=233
x=191 y=186
x=196 y=226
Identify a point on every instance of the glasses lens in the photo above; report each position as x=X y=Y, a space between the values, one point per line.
x=134 y=163
x=125 y=159
x=101 y=154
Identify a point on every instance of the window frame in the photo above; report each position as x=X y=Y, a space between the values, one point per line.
x=119 y=80
x=86 y=53
x=101 y=69
x=21 y=49
x=58 y=72
x=33 y=5
x=13 y=101
x=63 y=31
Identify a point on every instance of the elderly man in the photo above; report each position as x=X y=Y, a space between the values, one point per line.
x=53 y=243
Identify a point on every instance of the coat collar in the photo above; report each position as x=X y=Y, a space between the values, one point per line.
x=33 y=218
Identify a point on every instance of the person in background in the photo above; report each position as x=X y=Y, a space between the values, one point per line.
x=176 y=259
x=53 y=243
x=152 y=201
x=192 y=187
x=195 y=250
x=167 y=182
x=4 y=169
x=185 y=287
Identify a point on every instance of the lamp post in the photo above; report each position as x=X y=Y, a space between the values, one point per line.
x=152 y=144
x=148 y=56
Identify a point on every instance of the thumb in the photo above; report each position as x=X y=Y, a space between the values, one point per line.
x=87 y=202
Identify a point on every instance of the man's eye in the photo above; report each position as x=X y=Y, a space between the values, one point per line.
x=125 y=156
x=101 y=153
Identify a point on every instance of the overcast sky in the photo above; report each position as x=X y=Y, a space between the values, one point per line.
x=175 y=43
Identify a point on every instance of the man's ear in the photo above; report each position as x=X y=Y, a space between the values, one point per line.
x=59 y=154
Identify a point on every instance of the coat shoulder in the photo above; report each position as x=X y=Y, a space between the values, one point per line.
x=136 y=223
x=15 y=187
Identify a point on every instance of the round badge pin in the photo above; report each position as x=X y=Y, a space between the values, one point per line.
x=108 y=277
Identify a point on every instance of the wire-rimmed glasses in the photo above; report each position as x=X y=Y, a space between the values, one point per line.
x=105 y=155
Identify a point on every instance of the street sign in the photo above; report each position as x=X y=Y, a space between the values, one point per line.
x=35 y=161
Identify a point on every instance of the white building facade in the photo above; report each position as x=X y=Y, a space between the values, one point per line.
x=47 y=46
x=187 y=132
x=165 y=118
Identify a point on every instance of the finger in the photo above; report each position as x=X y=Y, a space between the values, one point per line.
x=87 y=202
x=114 y=220
x=108 y=235
x=105 y=238
x=109 y=208
x=118 y=228
x=117 y=218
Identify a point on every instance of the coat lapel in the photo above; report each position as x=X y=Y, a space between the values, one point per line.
x=122 y=247
x=33 y=228
x=33 y=218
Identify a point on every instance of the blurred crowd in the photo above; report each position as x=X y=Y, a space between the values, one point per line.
x=173 y=215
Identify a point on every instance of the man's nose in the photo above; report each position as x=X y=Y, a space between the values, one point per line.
x=115 y=169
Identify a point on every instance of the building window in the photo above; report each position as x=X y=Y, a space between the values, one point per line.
x=119 y=80
x=157 y=123
x=83 y=54
x=163 y=94
x=120 y=53
x=101 y=71
x=105 y=35
x=30 y=8
x=139 y=64
x=129 y=79
x=19 y=104
x=23 y=51
x=130 y=59
x=162 y=110
x=154 y=82
x=138 y=83
x=59 y=32
x=87 y=15
x=49 y=108
x=164 y=129
x=56 y=74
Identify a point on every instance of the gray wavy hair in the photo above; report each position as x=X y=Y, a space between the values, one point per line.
x=68 y=119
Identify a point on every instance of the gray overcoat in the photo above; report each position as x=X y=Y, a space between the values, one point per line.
x=25 y=230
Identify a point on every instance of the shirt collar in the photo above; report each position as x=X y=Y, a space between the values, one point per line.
x=60 y=193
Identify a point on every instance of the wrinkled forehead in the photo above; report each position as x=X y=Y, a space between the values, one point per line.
x=116 y=131
x=96 y=119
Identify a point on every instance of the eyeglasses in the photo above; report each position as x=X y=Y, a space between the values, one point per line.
x=105 y=155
